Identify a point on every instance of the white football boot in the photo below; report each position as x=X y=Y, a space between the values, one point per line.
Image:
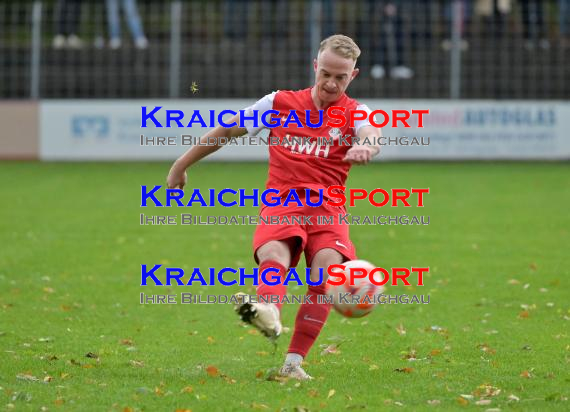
x=264 y=316
x=294 y=371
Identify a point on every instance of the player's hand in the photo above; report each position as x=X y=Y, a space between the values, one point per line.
x=177 y=177
x=359 y=155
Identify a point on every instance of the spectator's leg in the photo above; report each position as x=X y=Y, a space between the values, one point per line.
x=540 y=30
x=60 y=17
x=275 y=15
x=328 y=18
x=73 y=16
x=235 y=18
x=134 y=22
x=113 y=23
x=499 y=21
x=564 y=11
x=398 y=39
x=400 y=70
x=526 y=19
x=282 y=17
x=375 y=36
x=59 y=40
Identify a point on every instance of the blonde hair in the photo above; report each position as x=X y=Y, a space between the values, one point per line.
x=342 y=45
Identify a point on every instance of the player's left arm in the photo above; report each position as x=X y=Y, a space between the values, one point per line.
x=366 y=147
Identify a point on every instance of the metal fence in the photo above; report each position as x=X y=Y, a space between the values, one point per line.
x=496 y=49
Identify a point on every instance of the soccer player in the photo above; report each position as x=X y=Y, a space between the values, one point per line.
x=300 y=167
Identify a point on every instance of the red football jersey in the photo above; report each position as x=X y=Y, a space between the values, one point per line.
x=310 y=163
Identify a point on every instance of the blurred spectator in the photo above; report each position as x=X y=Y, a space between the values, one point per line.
x=465 y=8
x=235 y=15
x=383 y=35
x=564 y=16
x=133 y=19
x=328 y=18
x=495 y=14
x=534 y=29
x=68 y=13
x=275 y=16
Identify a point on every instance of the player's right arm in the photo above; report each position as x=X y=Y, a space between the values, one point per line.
x=177 y=175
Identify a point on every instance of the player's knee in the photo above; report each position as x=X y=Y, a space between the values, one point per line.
x=326 y=257
x=275 y=250
x=322 y=260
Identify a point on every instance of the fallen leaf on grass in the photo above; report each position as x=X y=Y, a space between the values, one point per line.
x=533 y=266
x=187 y=389
x=137 y=363
x=259 y=374
x=404 y=370
x=486 y=348
x=524 y=314
x=259 y=406
x=313 y=393
x=211 y=340
x=331 y=349
x=183 y=410
x=486 y=390
x=513 y=398
x=227 y=379
x=127 y=342
x=401 y=329
x=373 y=367
x=526 y=374
x=410 y=355
x=212 y=371
x=47 y=379
x=483 y=402
x=331 y=393
x=462 y=401
x=433 y=402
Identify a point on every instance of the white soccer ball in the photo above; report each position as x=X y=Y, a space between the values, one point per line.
x=359 y=299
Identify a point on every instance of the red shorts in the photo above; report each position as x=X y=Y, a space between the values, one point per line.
x=313 y=237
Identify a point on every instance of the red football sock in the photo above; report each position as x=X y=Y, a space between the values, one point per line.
x=310 y=320
x=267 y=290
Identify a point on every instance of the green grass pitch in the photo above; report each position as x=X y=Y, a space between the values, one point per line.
x=495 y=335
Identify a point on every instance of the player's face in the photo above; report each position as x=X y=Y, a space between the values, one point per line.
x=333 y=74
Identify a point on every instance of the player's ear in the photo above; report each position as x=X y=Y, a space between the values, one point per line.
x=355 y=73
x=315 y=65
